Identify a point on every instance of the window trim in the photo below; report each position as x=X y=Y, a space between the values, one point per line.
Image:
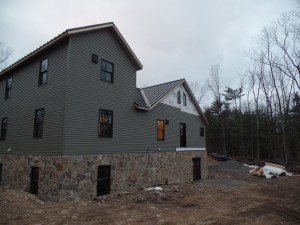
x=41 y=83
x=3 y=130
x=37 y=124
x=158 y=129
x=104 y=70
x=7 y=94
x=202 y=132
x=179 y=97
x=107 y=113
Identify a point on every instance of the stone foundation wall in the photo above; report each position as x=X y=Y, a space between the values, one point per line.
x=69 y=177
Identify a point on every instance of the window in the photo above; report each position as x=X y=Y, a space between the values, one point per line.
x=0 y=172
x=201 y=131
x=103 y=180
x=160 y=130
x=184 y=99
x=4 y=128
x=107 y=71
x=38 y=123
x=105 y=123
x=43 y=77
x=34 y=184
x=178 y=97
x=196 y=168
x=8 y=87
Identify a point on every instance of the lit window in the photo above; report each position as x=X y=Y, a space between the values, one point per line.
x=160 y=130
x=43 y=76
x=4 y=128
x=38 y=123
x=107 y=71
x=8 y=87
x=105 y=123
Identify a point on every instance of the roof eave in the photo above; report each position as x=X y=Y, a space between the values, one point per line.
x=35 y=52
x=69 y=32
x=117 y=34
x=141 y=107
x=195 y=101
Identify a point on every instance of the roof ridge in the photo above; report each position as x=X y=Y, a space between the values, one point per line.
x=163 y=83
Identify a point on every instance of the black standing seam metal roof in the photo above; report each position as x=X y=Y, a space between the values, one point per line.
x=155 y=94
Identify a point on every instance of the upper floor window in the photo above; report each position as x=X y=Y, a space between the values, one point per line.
x=160 y=124
x=38 y=123
x=105 y=128
x=43 y=76
x=178 y=97
x=8 y=87
x=201 y=131
x=184 y=99
x=4 y=128
x=107 y=71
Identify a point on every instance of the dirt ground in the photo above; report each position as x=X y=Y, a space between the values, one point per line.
x=229 y=196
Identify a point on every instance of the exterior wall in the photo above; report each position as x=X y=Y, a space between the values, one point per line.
x=171 y=100
x=71 y=177
x=87 y=93
x=26 y=97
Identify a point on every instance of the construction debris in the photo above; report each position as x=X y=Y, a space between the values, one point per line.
x=269 y=170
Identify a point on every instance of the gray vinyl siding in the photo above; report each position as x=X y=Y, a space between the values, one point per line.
x=73 y=96
x=26 y=97
x=133 y=131
x=87 y=93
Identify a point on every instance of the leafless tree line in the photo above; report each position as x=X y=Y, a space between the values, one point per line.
x=268 y=125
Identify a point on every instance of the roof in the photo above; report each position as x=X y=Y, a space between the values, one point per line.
x=148 y=97
x=69 y=32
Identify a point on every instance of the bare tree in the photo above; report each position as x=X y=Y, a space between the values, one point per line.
x=200 y=91
x=214 y=85
x=5 y=53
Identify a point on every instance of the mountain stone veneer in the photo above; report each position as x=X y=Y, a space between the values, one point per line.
x=71 y=177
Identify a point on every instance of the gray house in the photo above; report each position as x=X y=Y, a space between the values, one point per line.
x=74 y=125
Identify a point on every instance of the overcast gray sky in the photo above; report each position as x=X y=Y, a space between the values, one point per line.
x=173 y=39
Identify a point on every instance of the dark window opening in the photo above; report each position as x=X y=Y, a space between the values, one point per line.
x=107 y=71
x=8 y=87
x=105 y=123
x=43 y=75
x=0 y=172
x=178 y=97
x=103 y=180
x=184 y=99
x=38 y=123
x=196 y=168
x=182 y=135
x=201 y=131
x=160 y=124
x=34 y=186
x=4 y=128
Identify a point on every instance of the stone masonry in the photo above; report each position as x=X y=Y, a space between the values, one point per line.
x=71 y=177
